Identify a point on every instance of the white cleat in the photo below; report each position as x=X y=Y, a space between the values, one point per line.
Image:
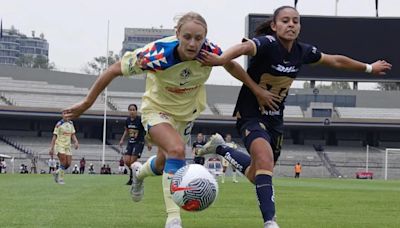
x=137 y=188
x=174 y=223
x=271 y=224
x=211 y=146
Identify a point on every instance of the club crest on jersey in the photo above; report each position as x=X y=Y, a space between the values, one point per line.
x=185 y=73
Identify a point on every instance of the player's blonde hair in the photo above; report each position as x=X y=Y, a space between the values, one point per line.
x=190 y=16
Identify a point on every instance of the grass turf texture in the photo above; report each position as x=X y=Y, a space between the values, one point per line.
x=104 y=201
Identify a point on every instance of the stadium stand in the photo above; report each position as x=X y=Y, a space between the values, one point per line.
x=30 y=100
x=368 y=113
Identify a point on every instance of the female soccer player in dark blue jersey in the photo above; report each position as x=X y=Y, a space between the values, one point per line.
x=277 y=57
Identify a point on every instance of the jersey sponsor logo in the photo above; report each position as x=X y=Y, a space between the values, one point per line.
x=283 y=69
x=181 y=90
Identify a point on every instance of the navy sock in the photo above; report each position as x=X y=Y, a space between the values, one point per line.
x=130 y=173
x=237 y=159
x=265 y=195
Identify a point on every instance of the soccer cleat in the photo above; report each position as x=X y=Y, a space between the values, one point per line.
x=211 y=146
x=271 y=224
x=137 y=188
x=61 y=181
x=129 y=182
x=174 y=223
x=235 y=181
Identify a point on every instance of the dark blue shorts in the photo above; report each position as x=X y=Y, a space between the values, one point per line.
x=134 y=149
x=269 y=128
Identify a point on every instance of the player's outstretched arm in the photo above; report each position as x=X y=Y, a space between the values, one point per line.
x=379 y=67
x=99 y=85
x=211 y=59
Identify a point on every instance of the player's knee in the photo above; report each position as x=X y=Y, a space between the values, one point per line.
x=177 y=151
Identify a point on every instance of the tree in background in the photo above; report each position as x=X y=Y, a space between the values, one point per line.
x=98 y=64
x=37 y=61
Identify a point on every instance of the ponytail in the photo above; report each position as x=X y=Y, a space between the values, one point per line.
x=264 y=29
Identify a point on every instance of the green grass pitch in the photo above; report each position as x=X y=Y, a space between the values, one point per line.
x=104 y=201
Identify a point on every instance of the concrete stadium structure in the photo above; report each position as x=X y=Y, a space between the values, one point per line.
x=343 y=120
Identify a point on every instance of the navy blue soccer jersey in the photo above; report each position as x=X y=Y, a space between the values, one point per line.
x=135 y=128
x=274 y=69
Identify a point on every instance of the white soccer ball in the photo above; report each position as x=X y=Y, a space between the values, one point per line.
x=193 y=188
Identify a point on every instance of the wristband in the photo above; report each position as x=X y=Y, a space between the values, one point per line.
x=368 y=68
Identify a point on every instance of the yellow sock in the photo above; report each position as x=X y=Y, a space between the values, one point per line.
x=173 y=211
x=146 y=171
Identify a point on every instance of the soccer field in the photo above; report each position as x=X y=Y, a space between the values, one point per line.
x=104 y=201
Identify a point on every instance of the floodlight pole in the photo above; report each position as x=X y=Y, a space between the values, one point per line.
x=386 y=163
x=366 y=160
x=105 y=101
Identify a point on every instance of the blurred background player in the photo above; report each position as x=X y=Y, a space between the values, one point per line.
x=225 y=163
x=277 y=57
x=82 y=165
x=297 y=170
x=63 y=132
x=52 y=164
x=199 y=143
x=121 y=166
x=135 y=132
x=175 y=96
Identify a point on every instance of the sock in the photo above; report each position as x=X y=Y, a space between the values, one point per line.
x=148 y=169
x=223 y=178
x=171 y=166
x=234 y=176
x=237 y=159
x=265 y=195
x=62 y=172
x=130 y=173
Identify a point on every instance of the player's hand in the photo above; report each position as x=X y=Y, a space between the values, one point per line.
x=149 y=147
x=76 y=110
x=267 y=99
x=121 y=143
x=380 y=67
x=210 y=59
x=76 y=144
x=51 y=152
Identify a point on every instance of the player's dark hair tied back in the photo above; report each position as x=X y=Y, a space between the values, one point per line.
x=265 y=27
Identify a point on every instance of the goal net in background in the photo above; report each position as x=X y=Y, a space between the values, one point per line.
x=392 y=163
x=383 y=162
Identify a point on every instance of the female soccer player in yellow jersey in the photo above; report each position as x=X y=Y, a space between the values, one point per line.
x=173 y=99
x=277 y=57
x=63 y=132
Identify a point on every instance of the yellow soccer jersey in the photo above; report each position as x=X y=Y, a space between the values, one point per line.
x=172 y=86
x=64 y=131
